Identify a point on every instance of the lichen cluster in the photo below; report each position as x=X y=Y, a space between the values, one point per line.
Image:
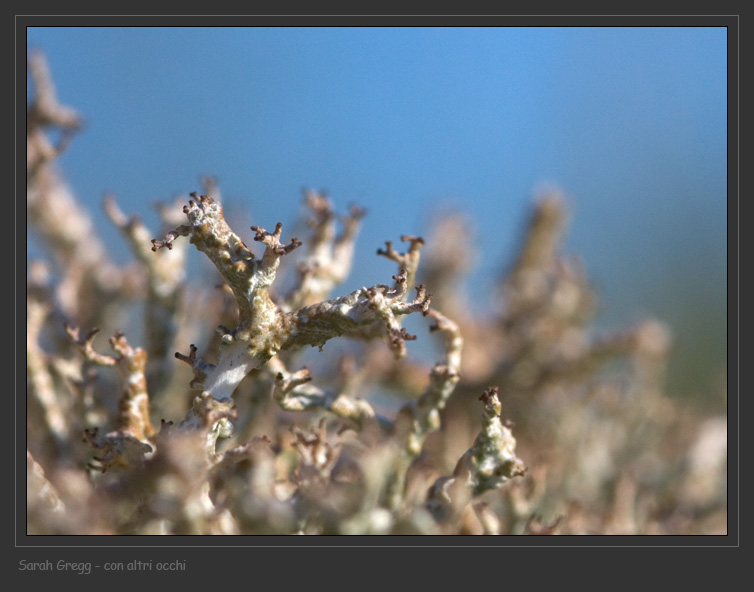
x=239 y=407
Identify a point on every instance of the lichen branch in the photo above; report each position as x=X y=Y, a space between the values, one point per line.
x=408 y=261
x=488 y=464
x=294 y=392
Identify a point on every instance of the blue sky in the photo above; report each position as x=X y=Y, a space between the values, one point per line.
x=629 y=122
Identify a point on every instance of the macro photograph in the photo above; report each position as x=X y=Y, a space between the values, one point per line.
x=373 y=281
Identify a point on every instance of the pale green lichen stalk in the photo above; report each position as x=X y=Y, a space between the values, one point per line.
x=492 y=460
x=488 y=464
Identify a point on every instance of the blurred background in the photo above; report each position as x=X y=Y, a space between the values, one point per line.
x=629 y=123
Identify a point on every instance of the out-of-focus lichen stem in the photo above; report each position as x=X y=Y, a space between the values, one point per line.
x=134 y=432
x=420 y=418
x=294 y=392
x=329 y=257
x=165 y=278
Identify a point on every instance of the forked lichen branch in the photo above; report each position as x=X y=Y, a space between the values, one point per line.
x=263 y=328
